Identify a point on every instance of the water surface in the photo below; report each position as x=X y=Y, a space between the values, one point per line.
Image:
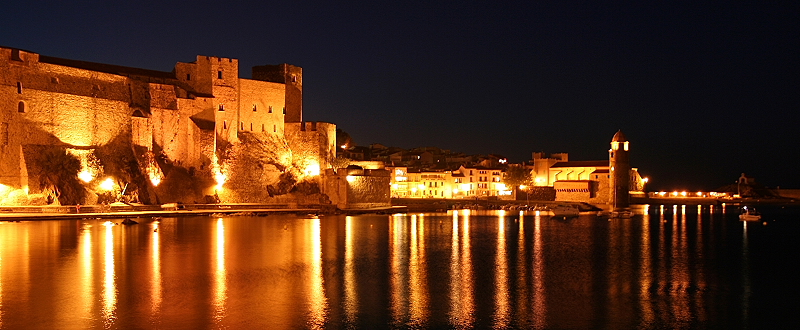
x=676 y=267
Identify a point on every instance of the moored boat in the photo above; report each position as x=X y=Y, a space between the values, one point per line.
x=565 y=211
x=749 y=214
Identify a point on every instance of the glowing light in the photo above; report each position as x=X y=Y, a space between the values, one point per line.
x=522 y=186
x=312 y=169
x=395 y=186
x=152 y=169
x=219 y=176
x=455 y=191
x=501 y=186
x=400 y=178
x=107 y=184
x=421 y=187
x=645 y=180
x=625 y=145
x=539 y=180
x=351 y=178
x=674 y=193
x=683 y=193
x=86 y=176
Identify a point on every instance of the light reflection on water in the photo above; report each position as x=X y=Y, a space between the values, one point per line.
x=686 y=267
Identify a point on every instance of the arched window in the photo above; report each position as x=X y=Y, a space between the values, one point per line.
x=21 y=107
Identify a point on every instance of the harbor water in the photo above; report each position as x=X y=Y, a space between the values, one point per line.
x=667 y=267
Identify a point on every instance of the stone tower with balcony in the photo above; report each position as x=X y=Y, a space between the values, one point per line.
x=619 y=168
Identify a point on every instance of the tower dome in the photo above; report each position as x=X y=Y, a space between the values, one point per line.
x=619 y=137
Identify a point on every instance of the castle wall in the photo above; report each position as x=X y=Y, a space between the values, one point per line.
x=312 y=143
x=191 y=116
x=357 y=188
x=262 y=106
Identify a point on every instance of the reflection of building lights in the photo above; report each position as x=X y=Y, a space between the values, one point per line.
x=107 y=184
x=85 y=176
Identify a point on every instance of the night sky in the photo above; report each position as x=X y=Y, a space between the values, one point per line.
x=703 y=92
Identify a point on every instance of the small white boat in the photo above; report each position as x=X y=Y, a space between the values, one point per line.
x=624 y=214
x=749 y=214
x=565 y=211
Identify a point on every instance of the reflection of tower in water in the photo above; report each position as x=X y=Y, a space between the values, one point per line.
x=619 y=170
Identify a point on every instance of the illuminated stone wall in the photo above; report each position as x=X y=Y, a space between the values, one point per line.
x=194 y=132
x=313 y=145
x=358 y=188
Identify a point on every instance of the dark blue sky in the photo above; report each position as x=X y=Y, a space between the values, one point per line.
x=704 y=92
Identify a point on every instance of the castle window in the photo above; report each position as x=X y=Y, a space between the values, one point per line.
x=270 y=109
x=221 y=107
x=262 y=128
x=242 y=123
x=284 y=110
x=188 y=76
x=54 y=80
x=19 y=87
x=251 y=127
x=224 y=124
x=219 y=74
x=255 y=108
x=274 y=128
x=21 y=107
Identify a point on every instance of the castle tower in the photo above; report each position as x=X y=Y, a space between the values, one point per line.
x=620 y=168
x=292 y=77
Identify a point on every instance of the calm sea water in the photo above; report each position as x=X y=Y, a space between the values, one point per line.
x=680 y=267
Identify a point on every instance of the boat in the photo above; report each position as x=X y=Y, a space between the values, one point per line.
x=749 y=214
x=565 y=211
x=622 y=214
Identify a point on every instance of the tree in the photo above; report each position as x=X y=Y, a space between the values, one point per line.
x=340 y=162
x=517 y=175
x=58 y=172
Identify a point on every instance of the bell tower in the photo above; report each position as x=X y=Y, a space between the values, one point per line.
x=619 y=168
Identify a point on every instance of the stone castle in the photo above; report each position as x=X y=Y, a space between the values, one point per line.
x=196 y=134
